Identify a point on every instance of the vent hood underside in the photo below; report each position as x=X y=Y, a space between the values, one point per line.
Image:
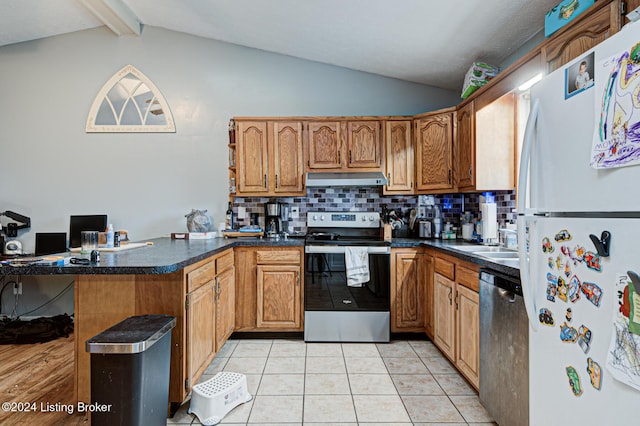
x=345 y=179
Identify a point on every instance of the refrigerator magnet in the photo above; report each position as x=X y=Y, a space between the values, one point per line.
x=574 y=381
x=567 y=269
x=568 y=334
x=593 y=261
x=574 y=289
x=562 y=236
x=562 y=289
x=592 y=292
x=546 y=245
x=568 y=315
x=584 y=339
x=552 y=291
x=546 y=317
x=595 y=373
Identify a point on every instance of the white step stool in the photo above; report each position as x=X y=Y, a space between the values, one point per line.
x=213 y=399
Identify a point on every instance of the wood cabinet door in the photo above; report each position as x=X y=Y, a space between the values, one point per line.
x=246 y=285
x=582 y=36
x=428 y=262
x=434 y=152
x=465 y=117
x=200 y=331
x=468 y=334
x=252 y=151
x=278 y=296
x=399 y=157
x=444 y=315
x=408 y=292
x=364 y=147
x=325 y=145
x=225 y=306
x=288 y=163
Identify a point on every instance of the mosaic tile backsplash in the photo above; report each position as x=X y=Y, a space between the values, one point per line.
x=372 y=199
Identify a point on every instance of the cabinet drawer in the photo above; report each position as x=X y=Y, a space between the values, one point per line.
x=200 y=276
x=281 y=257
x=468 y=278
x=445 y=268
x=224 y=261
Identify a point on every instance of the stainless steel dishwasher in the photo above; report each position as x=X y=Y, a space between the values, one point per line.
x=504 y=349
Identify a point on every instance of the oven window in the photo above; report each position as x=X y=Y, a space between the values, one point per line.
x=326 y=284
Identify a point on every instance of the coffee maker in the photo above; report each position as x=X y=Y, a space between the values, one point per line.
x=272 y=212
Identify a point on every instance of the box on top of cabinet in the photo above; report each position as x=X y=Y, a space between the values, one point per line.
x=563 y=13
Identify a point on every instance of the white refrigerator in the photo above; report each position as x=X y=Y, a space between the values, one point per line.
x=579 y=235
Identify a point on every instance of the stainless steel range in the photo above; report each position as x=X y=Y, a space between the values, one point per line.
x=346 y=284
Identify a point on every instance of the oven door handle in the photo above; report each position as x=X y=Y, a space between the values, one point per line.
x=330 y=249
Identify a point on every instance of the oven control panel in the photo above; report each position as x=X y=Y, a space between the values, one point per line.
x=318 y=219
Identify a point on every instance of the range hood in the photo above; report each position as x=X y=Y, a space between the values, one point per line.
x=345 y=179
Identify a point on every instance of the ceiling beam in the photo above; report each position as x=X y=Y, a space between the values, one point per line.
x=115 y=15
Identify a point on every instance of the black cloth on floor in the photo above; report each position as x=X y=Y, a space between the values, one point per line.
x=38 y=330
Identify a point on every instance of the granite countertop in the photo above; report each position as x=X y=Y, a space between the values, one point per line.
x=167 y=256
x=449 y=246
x=163 y=257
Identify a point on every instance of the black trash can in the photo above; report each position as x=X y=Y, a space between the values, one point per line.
x=130 y=371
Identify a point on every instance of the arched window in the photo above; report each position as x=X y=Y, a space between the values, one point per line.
x=130 y=102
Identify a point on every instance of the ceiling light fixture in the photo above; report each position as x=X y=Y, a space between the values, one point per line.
x=115 y=15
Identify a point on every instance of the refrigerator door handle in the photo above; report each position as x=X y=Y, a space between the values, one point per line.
x=525 y=269
x=525 y=158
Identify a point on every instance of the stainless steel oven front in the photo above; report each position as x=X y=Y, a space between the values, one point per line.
x=337 y=312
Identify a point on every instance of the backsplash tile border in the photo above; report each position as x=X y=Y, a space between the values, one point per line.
x=371 y=199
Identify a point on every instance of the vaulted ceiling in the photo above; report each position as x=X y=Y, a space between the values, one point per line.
x=425 y=41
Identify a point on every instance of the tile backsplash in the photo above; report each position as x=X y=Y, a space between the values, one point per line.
x=372 y=199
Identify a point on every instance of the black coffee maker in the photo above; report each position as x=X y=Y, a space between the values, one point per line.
x=272 y=211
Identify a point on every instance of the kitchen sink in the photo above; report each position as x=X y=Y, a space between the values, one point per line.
x=498 y=255
x=481 y=250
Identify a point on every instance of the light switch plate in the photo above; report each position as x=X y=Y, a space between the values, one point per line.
x=242 y=212
x=295 y=212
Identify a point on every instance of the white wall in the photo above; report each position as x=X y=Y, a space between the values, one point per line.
x=146 y=183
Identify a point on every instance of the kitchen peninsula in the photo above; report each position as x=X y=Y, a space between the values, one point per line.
x=183 y=278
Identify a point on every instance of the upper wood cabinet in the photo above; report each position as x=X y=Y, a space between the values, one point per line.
x=344 y=145
x=252 y=151
x=465 y=118
x=364 y=144
x=399 y=157
x=269 y=158
x=434 y=149
x=487 y=143
x=594 y=26
x=325 y=145
x=288 y=162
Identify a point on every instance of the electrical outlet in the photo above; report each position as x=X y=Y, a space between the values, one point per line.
x=295 y=212
x=422 y=211
x=17 y=288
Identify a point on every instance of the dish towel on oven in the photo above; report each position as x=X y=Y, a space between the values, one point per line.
x=356 y=260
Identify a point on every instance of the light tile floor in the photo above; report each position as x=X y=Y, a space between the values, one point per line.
x=296 y=383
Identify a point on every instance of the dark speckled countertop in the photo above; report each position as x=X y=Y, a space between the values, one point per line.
x=167 y=255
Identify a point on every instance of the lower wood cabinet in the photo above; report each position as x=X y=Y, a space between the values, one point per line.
x=201 y=342
x=444 y=315
x=408 y=290
x=269 y=289
x=457 y=314
x=210 y=312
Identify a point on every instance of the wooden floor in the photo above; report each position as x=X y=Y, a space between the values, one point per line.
x=41 y=376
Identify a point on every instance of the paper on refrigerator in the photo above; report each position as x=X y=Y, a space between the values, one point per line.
x=623 y=357
x=616 y=139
